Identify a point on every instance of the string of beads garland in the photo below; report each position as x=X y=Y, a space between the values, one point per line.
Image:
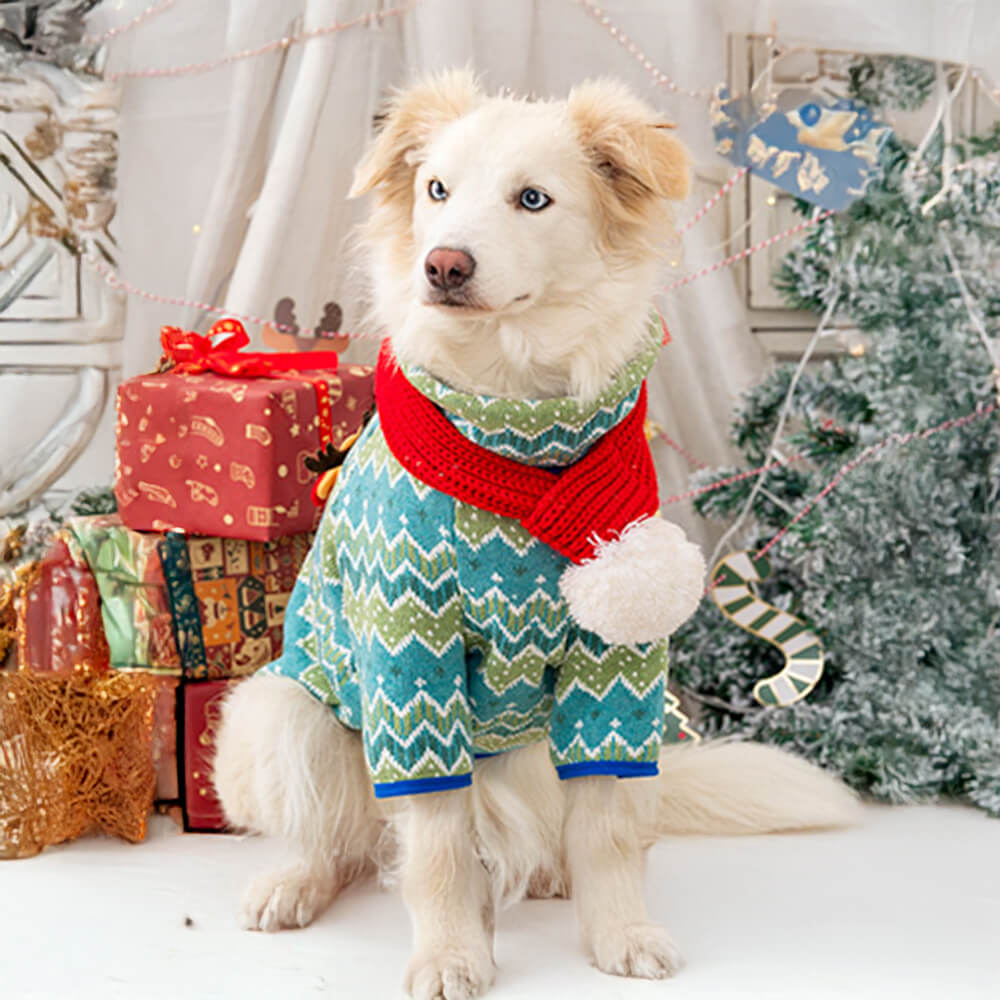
x=743 y=254
x=123 y=29
x=714 y=200
x=873 y=450
x=276 y=45
x=114 y=280
x=896 y=440
x=654 y=430
x=659 y=77
x=868 y=453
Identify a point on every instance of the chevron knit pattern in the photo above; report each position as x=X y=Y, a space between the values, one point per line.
x=437 y=628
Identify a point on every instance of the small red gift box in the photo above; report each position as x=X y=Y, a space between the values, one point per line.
x=216 y=444
x=165 y=740
x=60 y=629
x=202 y=702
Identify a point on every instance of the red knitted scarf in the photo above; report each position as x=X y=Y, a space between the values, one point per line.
x=571 y=510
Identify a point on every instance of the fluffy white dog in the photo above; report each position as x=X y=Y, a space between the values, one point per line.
x=514 y=255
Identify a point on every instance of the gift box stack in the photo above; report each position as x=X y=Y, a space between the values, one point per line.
x=186 y=586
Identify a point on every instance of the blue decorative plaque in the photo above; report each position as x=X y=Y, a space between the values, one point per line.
x=824 y=151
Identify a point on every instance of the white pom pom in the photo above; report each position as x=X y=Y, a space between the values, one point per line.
x=638 y=588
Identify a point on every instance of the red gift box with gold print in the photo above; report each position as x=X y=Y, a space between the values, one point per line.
x=202 y=707
x=216 y=443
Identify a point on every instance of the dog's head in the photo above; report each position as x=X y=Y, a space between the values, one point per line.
x=514 y=241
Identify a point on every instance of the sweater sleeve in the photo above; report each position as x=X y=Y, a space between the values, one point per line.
x=416 y=723
x=401 y=599
x=609 y=708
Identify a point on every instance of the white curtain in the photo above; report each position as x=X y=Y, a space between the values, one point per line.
x=232 y=181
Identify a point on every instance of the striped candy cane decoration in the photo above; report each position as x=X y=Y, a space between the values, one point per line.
x=801 y=647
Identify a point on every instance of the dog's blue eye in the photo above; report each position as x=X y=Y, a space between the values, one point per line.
x=437 y=190
x=533 y=200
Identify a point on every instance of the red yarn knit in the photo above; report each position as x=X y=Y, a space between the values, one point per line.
x=571 y=510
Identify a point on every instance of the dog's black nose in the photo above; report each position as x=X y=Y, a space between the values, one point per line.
x=447 y=268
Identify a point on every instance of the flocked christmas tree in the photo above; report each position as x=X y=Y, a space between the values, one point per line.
x=898 y=568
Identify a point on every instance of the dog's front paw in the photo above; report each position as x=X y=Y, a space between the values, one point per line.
x=291 y=897
x=449 y=975
x=644 y=951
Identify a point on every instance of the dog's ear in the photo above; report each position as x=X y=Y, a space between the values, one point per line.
x=410 y=119
x=628 y=145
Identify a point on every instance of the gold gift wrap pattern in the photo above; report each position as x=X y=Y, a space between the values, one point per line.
x=226 y=456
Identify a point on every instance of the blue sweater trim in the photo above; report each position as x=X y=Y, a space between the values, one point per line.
x=619 y=768
x=415 y=786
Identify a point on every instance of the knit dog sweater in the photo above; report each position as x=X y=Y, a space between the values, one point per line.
x=437 y=627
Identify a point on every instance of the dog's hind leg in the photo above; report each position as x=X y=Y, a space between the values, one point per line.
x=285 y=767
x=447 y=891
x=604 y=861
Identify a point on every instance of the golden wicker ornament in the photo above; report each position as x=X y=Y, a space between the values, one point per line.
x=75 y=753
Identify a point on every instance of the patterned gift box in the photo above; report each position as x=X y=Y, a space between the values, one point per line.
x=228 y=597
x=134 y=604
x=60 y=630
x=216 y=444
x=202 y=702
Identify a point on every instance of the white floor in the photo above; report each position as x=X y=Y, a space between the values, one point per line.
x=906 y=906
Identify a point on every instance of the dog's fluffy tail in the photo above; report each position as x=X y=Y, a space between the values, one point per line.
x=729 y=787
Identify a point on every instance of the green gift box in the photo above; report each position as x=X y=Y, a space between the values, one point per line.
x=134 y=605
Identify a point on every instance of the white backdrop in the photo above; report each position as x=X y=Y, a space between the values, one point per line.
x=232 y=181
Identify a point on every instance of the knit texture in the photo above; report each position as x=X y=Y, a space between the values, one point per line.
x=437 y=628
x=610 y=484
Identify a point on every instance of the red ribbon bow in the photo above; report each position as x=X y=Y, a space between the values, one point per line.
x=191 y=354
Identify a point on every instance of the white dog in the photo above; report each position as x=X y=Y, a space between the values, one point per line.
x=514 y=255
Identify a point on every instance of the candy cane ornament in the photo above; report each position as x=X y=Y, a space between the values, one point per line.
x=799 y=644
